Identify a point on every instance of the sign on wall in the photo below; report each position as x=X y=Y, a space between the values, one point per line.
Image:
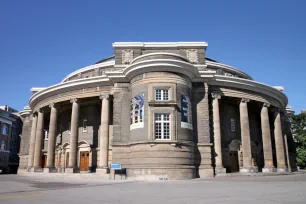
x=186 y=116
x=137 y=112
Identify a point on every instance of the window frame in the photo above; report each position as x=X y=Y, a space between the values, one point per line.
x=3 y=145
x=162 y=126
x=5 y=127
x=164 y=94
x=233 y=125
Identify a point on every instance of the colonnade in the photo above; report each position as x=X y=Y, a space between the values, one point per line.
x=37 y=133
x=246 y=139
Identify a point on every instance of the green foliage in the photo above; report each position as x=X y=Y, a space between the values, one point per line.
x=299 y=134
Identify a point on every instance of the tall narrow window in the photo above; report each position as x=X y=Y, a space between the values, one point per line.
x=162 y=126
x=3 y=145
x=84 y=125
x=137 y=112
x=5 y=129
x=46 y=134
x=233 y=127
x=161 y=95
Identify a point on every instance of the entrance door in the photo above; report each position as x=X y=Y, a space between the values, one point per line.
x=234 y=164
x=44 y=161
x=67 y=159
x=84 y=161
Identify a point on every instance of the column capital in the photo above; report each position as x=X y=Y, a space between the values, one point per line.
x=106 y=96
x=245 y=100
x=216 y=95
x=40 y=110
x=266 y=105
x=74 y=100
x=53 y=105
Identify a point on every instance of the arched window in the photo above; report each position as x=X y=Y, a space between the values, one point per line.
x=3 y=145
x=4 y=129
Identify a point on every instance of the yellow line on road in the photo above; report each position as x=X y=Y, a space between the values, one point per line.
x=21 y=196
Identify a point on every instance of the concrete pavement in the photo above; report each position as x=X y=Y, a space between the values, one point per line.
x=244 y=189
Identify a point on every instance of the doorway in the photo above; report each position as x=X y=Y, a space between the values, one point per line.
x=234 y=164
x=84 y=161
x=67 y=159
x=44 y=161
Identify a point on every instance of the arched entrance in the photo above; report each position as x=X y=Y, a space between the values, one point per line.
x=234 y=155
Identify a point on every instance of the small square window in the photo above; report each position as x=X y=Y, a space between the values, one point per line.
x=161 y=95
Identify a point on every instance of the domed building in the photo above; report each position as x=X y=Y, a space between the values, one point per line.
x=162 y=110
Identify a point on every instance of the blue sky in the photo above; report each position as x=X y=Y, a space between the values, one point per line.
x=41 y=42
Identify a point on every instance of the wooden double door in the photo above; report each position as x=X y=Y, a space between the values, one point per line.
x=84 y=161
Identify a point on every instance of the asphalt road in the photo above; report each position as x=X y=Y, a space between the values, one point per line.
x=246 y=189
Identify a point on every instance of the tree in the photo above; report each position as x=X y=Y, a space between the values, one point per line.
x=299 y=135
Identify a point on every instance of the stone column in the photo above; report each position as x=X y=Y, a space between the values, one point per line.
x=217 y=134
x=245 y=137
x=73 y=155
x=279 y=144
x=38 y=141
x=104 y=133
x=32 y=142
x=266 y=139
x=51 y=139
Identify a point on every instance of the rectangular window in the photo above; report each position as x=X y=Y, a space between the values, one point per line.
x=161 y=95
x=46 y=134
x=162 y=126
x=84 y=125
x=5 y=129
x=233 y=127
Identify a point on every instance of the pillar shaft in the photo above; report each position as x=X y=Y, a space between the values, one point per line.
x=279 y=142
x=245 y=134
x=32 y=142
x=217 y=130
x=266 y=136
x=39 y=139
x=52 y=135
x=74 y=135
x=104 y=132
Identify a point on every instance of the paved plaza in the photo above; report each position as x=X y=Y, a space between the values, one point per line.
x=242 y=189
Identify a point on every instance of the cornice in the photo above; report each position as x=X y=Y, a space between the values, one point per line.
x=229 y=68
x=162 y=65
x=160 y=44
x=88 y=68
x=246 y=84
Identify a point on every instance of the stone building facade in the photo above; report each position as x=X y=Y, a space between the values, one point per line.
x=10 y=126
x=163 y=111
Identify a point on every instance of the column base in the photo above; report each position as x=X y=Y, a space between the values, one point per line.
x=248 y=170
x=220 y=170
x=72 y=170
x=37 y=169
x=50 y=170
x=283 y=169
x=102 y=170
x=269 y=169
